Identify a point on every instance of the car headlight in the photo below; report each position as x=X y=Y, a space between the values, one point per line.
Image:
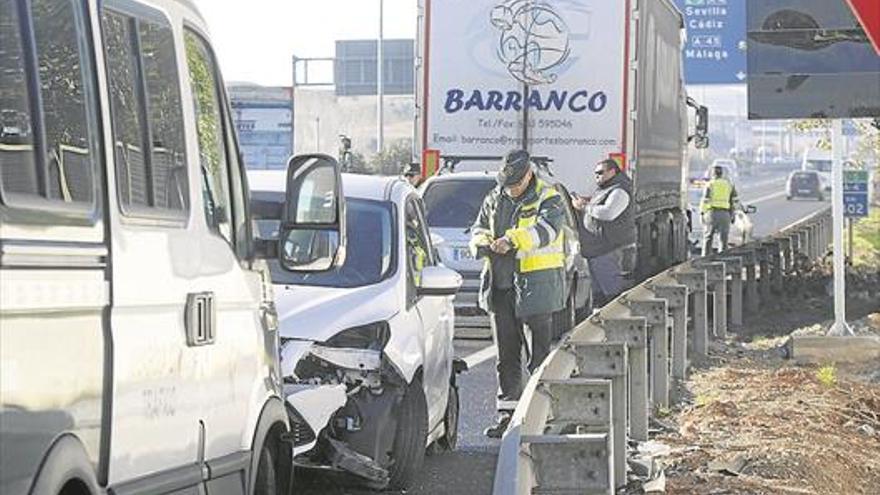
x=373 y=336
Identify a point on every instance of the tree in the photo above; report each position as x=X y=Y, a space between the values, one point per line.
x=393 y=159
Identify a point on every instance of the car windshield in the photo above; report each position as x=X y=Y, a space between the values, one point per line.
x=456 y=203
x=371 y=240
x=819 y=165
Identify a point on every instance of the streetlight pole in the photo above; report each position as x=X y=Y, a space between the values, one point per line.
x=380 y=82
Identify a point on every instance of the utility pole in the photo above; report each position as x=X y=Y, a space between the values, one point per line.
x=380 y=82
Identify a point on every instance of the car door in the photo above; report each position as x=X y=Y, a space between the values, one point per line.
x=242 y=352
x=158 y=362
x=435 y=313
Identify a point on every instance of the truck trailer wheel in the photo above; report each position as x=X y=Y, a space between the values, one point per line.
x=408 y=451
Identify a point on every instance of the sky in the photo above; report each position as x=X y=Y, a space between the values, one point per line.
x=255 y=40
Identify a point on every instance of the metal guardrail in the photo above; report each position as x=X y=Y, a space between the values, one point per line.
x=597 y=389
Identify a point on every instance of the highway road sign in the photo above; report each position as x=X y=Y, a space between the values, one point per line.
x=855 y=193
x=715 y=48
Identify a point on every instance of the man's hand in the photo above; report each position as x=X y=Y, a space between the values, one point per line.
x=580 y=202
x=500 y=246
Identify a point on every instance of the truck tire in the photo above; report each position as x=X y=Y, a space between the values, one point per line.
x=408 y=450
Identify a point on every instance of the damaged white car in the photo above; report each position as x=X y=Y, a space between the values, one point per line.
x=366 y=347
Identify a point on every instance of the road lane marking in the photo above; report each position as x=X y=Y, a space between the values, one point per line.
x=480 y=356
x=764 y=198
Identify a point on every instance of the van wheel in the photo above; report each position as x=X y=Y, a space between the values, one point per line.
x=267 y=480
x=450 y=421
x=408 y=451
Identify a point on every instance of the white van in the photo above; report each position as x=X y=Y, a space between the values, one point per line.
x=820 y=161
x=138 y=343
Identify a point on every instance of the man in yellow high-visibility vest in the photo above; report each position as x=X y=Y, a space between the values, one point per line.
x=519 y=233
x=717 y=207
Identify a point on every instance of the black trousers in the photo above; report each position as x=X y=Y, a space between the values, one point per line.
x=509 y=337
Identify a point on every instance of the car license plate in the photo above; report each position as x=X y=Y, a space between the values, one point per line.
x=461 y=254
x=804 y=191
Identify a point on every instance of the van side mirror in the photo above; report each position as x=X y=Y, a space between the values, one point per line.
x=312 y=232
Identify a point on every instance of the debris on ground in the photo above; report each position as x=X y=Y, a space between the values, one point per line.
x=754 y=422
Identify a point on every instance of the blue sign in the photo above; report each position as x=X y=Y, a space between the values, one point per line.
x=855 y=193
x=716 y=33
x=855 y=205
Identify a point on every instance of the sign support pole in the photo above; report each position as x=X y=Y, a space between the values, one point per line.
x=840 y=327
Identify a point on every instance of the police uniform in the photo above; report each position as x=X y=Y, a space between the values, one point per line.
x=716 y=207
x=524 y=287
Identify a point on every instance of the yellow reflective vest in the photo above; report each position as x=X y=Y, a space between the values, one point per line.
x=526 y=239
x=718 y=195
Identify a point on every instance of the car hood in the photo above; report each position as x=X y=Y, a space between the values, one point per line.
x=319 y=313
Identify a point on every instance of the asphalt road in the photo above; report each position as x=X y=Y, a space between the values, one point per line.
x=470 y=469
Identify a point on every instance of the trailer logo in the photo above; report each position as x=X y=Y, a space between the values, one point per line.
x=534 y=40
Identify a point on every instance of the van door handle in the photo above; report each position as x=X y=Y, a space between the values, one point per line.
x=201 y=319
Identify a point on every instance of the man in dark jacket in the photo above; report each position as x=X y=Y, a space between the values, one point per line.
x=519 y=234
x=608 y=227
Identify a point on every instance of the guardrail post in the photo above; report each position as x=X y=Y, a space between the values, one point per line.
x=803 y=236
x=677 y=302
x=608 y=361
x=750 y=260
x=763 y=272
x=695 y=281
x=716 y=277
x=569 y=463
x=775 y=261
x=634 y=333
x=654 y=311
x=734 y=268
x=785 y=252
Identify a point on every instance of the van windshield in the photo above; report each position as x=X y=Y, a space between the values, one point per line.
x=369 y=227
x=455 y=203
x=818 y=165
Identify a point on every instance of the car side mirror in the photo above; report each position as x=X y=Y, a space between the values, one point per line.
x=312 y=233
x=439 y=281
x=700 y=138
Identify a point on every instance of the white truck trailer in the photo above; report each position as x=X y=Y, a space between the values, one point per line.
x=573 y=82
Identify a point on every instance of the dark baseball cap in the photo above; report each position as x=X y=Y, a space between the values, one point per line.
x=515 y=167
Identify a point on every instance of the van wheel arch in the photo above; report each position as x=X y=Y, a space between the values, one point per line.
x=66 y=466
x=273 y=423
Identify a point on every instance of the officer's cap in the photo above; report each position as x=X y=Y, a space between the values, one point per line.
x=515 y=167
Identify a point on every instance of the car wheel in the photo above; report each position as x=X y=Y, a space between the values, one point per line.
x=450 y=421
x=788 y=198
x=408 y=450
x=821 y=197
x=267 y=480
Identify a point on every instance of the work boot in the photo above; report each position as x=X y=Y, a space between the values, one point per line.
x=500 y=426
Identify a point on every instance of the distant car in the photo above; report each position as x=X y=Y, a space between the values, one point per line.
x=453 y=201
x=740 y=230
x=820 y=161
x=804 y=184
x=380 y=326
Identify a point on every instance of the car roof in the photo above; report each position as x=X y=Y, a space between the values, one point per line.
x=373 y=187
x=471 y=175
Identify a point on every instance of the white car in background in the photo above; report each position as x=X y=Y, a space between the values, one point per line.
x=366 y=349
